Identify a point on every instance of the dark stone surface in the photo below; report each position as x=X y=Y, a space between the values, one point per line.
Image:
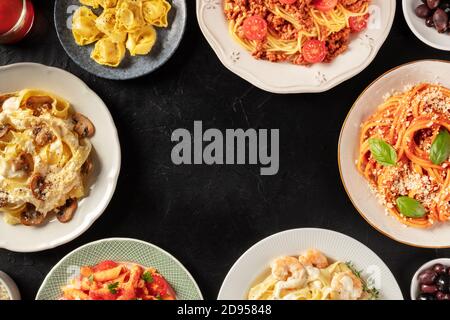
x=208 y=216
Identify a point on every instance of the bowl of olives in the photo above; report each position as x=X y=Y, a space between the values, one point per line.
x=432 y=281
x=429 y=20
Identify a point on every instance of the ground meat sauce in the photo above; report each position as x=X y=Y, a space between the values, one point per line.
x=336 y=43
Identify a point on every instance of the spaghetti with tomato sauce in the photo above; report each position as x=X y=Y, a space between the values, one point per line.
x=405 y=155
x=302 y=32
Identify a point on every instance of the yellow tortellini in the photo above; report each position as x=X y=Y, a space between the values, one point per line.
x=123 y=24
x=106 y=23
x=129 y=15
x=108 y=52
x=83 y=27
x=142 y=41
x=155 y=12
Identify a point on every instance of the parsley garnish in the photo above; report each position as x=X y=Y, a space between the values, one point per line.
x=91 y=278
x=112 y=287
x=147 y=277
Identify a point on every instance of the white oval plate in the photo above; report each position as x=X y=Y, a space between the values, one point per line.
x=289 y=78
x=356 y=186
x=255 y=262
x=106 y=158
x=427 y=35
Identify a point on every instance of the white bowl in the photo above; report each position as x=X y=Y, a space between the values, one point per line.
x=10 y=286
x=428 y=35
x=289 y=78
x=255 y=261
x=106 y=152
x=415 y=280
x=356 y=186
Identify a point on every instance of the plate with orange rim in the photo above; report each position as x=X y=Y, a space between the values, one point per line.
x=357 y=188
x=287 y=78
x=123 y=250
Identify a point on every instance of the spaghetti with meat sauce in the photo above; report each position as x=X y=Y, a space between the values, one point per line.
x=302 y=32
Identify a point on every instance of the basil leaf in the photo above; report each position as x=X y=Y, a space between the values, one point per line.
x=410 y=208
x=440 y=149
x=383 y=152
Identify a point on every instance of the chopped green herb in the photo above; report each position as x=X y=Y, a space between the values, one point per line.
x=112 y=287
x=147 y=277
x=91 y=278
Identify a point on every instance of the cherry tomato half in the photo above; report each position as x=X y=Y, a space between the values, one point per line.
x=325 y=5
x=255 y=28
x=160 y=287
x=314 y=51
x=358 y=24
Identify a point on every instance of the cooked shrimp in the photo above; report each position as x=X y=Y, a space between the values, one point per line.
x=347 y=286
x=284 y=268
x=315 y=258
x=289 y=272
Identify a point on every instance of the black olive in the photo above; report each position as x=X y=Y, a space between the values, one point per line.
x=426 y=297
x=423 y=11
x=426 y=288
x=440 y=19
x=429 y=22
x=440 y=295
x=433 y=4
x=443 y=283
x=427 y=277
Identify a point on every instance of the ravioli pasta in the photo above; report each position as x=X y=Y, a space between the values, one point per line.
x=121 y=25
x=311 y=277
x=44 y=157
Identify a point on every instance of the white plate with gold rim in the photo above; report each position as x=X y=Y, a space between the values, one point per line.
x=253 y=265
x=289 y=78
x=356 y=186
x=106 y=156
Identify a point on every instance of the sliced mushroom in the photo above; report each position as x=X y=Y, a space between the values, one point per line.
x=31 y=217
x=87 y=167
x=24 y=162
x=43 y=136
x=4 y=129
x=39 y=104
x=83 y=126
x=66 y=212
x=38 y=186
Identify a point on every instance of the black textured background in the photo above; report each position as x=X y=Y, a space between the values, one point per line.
x=208 y=216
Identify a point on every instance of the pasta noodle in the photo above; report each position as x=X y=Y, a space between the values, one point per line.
x=285 y=27
x=42 y=157
x=123 y=24
x=311 y=277
x=410 y=123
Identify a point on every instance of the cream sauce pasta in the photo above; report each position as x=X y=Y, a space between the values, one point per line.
x=44 y=157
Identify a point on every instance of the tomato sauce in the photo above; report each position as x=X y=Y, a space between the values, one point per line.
x=16 y=20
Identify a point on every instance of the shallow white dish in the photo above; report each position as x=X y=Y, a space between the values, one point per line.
x=10 y=286
x=427 y=35
x=415 y=281
x=255 y=261
x=289 y=78
x=356 y=186
x=106 y=156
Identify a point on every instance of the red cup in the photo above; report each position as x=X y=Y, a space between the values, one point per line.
x=16 y=20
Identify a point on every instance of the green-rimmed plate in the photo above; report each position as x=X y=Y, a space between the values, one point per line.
x=124 y=250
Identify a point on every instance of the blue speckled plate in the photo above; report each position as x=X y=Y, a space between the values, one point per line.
x=131 y=67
